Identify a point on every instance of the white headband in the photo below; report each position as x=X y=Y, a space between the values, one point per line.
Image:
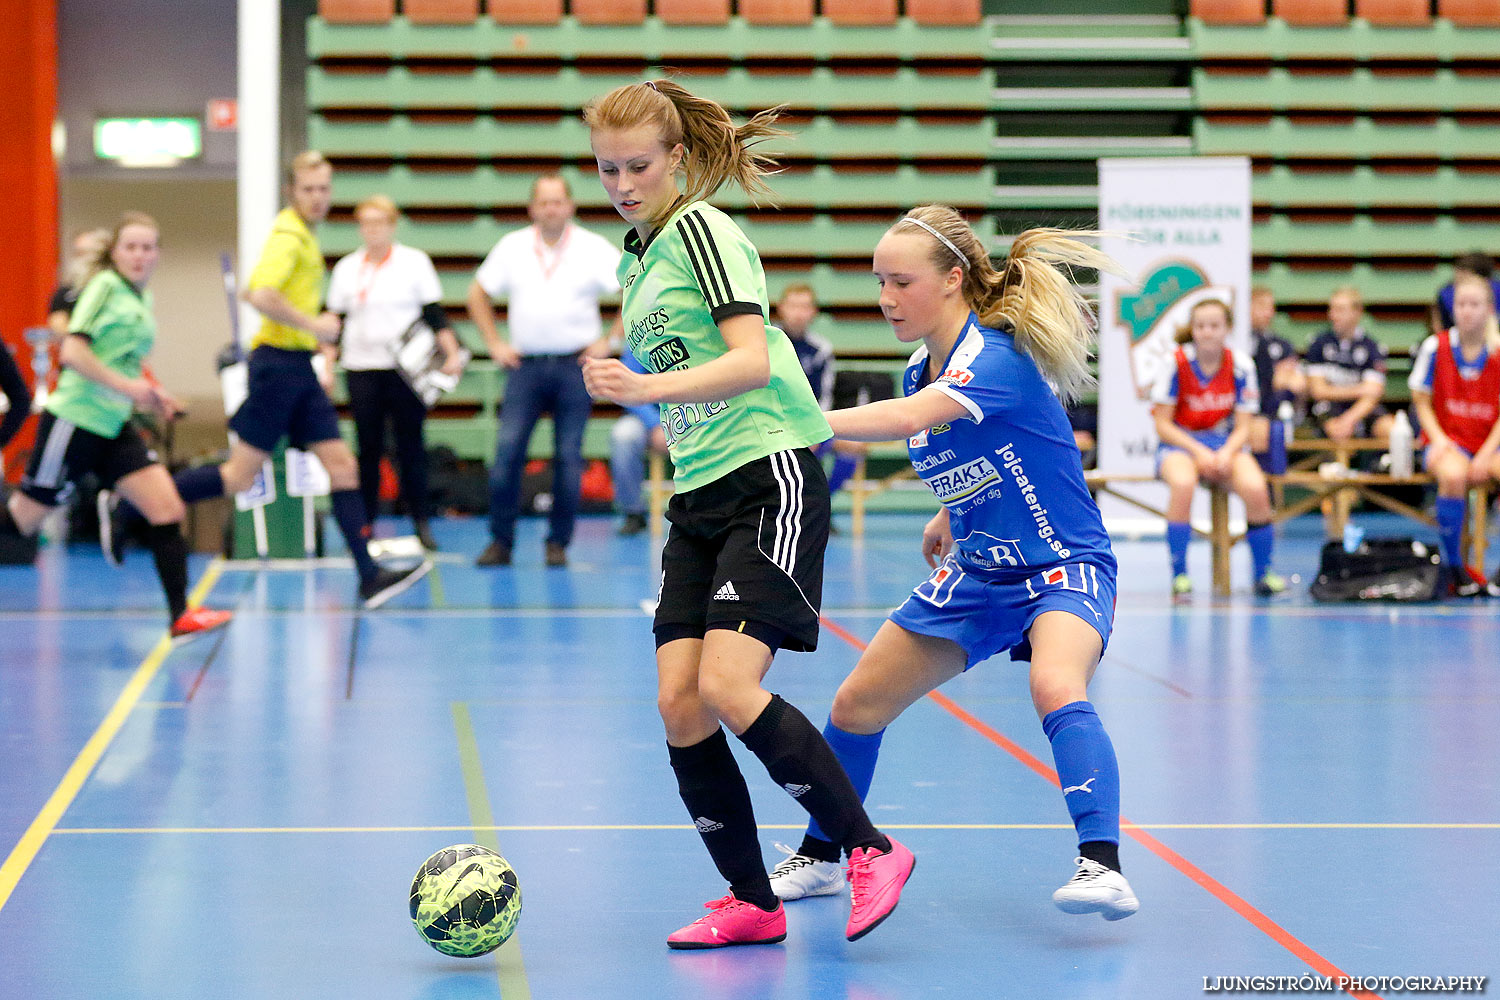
x=963 y=260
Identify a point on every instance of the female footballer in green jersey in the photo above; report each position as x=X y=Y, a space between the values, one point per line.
x=86 y=424
x=742 y=570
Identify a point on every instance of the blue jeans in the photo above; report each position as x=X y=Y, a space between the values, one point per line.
x=543 y=383
x=627 y=462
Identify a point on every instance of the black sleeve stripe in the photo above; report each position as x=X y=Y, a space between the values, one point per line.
x=692 y=243
x=722 y=312
x=708 y=236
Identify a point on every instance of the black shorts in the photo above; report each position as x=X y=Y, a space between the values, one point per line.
x=745 y=552
x=284 y=401
x=65 y=452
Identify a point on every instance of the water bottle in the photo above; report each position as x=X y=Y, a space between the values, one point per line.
x=1280 y=431
x=1402 y=458
x=1354 y=535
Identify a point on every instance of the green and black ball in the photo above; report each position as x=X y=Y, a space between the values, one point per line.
x=465 y=900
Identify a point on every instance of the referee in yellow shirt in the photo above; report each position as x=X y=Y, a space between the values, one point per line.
x=286 y=399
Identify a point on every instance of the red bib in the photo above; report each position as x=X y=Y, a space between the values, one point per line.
x=1466 y=408
x=1203 y=406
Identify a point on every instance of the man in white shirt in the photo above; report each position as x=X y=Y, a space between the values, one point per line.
x=552 y=274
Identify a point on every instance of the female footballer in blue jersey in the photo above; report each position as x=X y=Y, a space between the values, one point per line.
x=1021 y=559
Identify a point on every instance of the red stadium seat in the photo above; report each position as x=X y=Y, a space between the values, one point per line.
x=609 y=11
x=1228 y=11
x=526 y=11
x=1394 y=13
x=693 y=11
x=777 y=11
x=356 y=11
x=1471 y=13
x=440 y=11
x=943 y=11
x=1312 y=13
x=856 y=12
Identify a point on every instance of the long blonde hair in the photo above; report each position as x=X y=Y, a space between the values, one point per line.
x=104 y=259
x=1033 y=294
x=1491 y=325
x=715 y=149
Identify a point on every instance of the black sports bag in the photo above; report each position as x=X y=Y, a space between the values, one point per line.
x=1381 y=569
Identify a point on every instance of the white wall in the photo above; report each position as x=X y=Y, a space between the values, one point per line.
x=197 y=219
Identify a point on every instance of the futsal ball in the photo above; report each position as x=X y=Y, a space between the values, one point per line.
x=465 y=900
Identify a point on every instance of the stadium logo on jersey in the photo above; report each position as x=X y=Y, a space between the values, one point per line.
x=669 y=354
x=965 y=481
x=923 y=464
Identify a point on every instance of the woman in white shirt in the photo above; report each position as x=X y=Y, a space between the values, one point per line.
x=380 y=290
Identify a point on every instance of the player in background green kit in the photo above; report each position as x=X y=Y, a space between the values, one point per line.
x=742 y=569
x=86 y=426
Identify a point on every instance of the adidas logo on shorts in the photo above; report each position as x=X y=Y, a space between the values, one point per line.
x=796 y=791
x=726 y=592
x=706 y=825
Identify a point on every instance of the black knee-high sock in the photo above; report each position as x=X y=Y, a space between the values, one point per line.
x=801 y=761
x=713 y=789
x=170 y=550
x=349 y=511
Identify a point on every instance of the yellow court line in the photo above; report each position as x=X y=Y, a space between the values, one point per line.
x=510 y=966
x=62 y=797
x=647 y=827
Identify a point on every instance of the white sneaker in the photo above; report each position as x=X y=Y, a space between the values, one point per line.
x=1096 y=889
x=798 y=876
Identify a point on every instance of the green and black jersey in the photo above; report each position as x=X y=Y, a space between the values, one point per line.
x=695 y=271
x=116 y=318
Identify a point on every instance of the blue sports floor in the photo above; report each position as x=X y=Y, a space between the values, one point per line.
x=1311 y=790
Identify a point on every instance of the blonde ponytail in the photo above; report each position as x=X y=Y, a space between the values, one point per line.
x=715 y=150
x=1033 y=294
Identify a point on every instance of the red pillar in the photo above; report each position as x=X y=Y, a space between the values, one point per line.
x=28 y=178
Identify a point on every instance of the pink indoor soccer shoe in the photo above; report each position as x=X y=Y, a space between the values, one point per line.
x=875 y=882
x=732 y=921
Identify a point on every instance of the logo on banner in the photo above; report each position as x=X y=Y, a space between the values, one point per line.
x=1151 y=315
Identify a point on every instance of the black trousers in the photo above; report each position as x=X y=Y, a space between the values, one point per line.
x=376 y=397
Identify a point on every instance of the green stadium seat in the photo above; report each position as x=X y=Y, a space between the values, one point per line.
x=862 y=12
x=1387 y=13
x=693 y=12
x=1361 y=89
x=440 y=11
x=1444 y=139
x=356 y=11
x=609 y=11
x=1229 y=11
x=776 y=11
x=526 y=11
x=1362 y=186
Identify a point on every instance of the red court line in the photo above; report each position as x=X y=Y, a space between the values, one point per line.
x=1215 y=888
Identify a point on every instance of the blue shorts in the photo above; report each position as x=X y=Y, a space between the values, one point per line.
x=285 y=401
x=987 y=615
x=1213 y=440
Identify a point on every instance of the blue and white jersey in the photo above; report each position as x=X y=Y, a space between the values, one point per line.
x=1010 y=475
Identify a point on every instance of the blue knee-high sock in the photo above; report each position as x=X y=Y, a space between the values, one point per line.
x=1261 y=540
x=1179 y=533
x=1450 y=519
x=843 y=468
x=1088 y=771
x=349 y=511
x=857 y=754
x=201 y=482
